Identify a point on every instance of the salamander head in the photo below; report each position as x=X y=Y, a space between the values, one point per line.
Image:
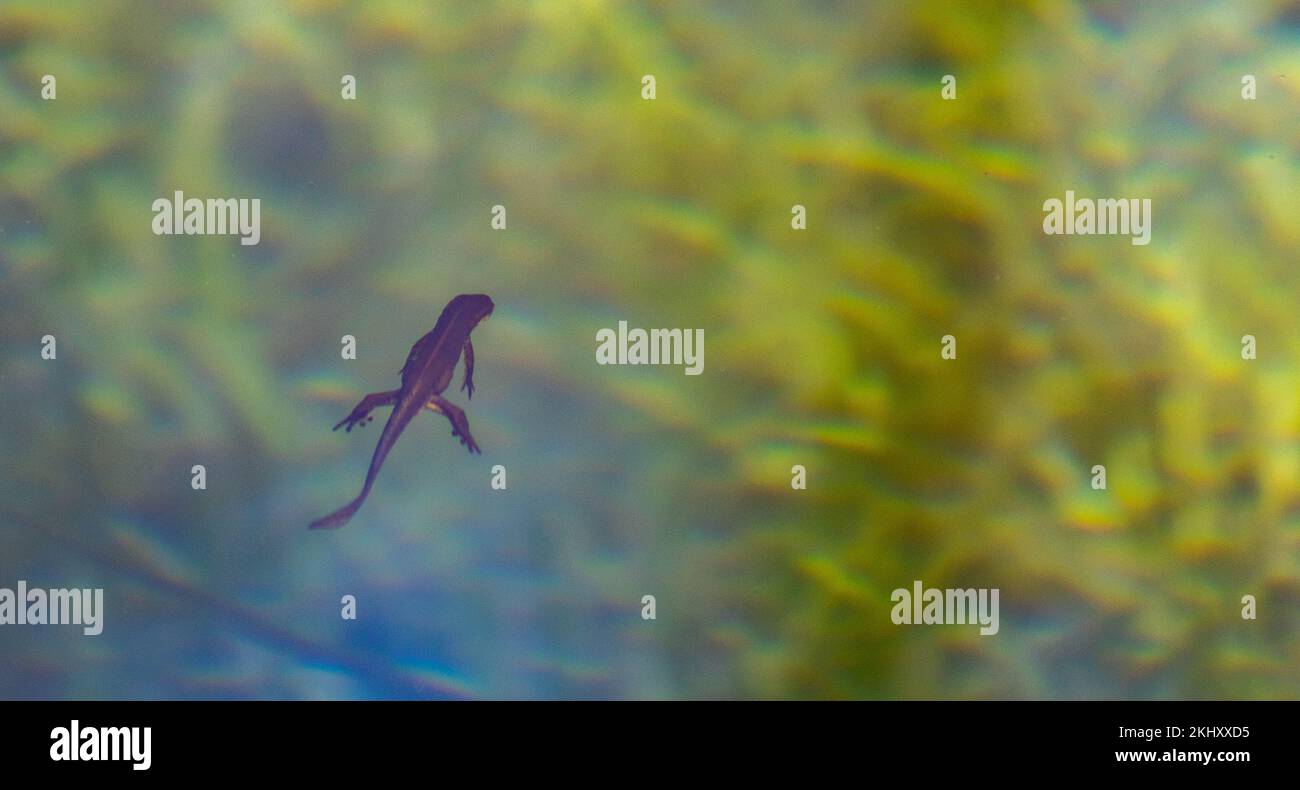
x=474 y=307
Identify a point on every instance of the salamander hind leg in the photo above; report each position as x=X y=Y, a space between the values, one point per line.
x=368 y=404
x=459 y=423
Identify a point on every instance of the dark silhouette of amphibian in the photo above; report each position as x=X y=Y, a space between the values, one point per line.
x=425 y=375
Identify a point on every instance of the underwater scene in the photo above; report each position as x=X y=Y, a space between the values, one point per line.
x=913 y=372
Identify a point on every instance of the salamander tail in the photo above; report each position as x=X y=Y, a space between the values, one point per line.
x=339 y=517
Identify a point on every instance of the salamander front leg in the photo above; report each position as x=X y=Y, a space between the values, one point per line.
x=468 y=383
